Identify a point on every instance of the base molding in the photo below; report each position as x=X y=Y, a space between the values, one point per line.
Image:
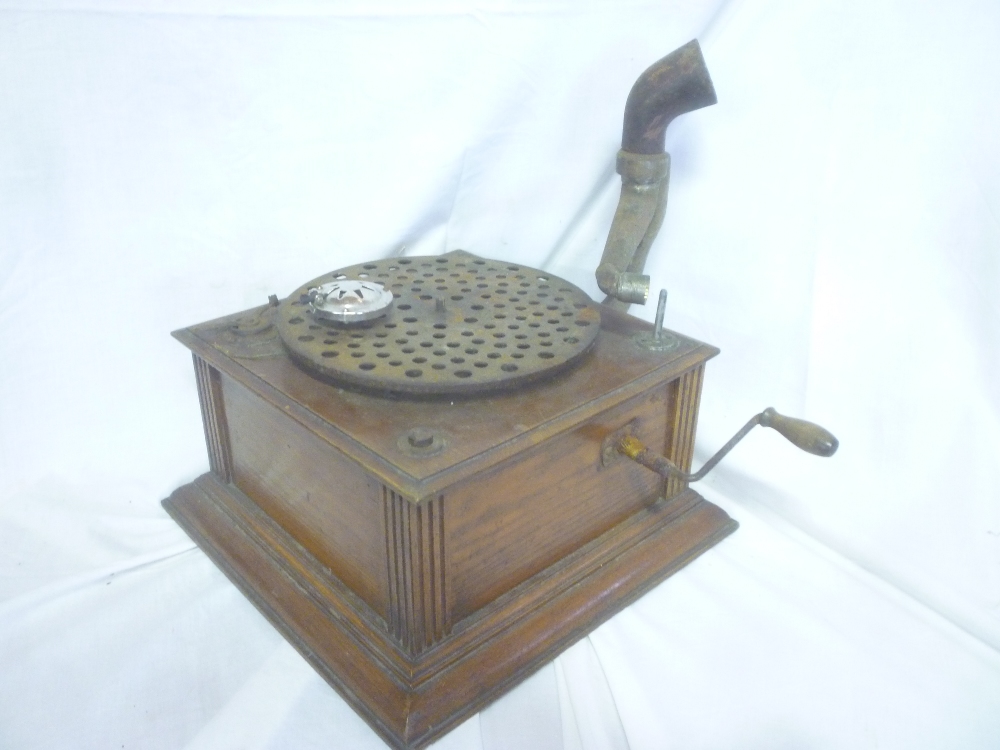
x=411 y=701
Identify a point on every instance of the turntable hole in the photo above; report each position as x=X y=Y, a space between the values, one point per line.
x=438 y=366
x=463 y=374
x=305 y=338
x=414 y=373
x=367 y=365
x=546 y=355
x=330 y=353
x=295 y=320
x=509 y=367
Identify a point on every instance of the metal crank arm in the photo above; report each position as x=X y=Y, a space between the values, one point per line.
x=805 y=435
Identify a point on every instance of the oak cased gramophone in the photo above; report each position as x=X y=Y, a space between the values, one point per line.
x=433 y=474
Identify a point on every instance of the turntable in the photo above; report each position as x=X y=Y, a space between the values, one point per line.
x=433 y=474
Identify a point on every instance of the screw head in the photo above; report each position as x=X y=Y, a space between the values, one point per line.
x=422 y=442
x=420 y=437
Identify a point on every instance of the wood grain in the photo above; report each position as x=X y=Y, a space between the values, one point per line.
x=422 y=588
x=213 y=418
x=334 y=631
x=419 y=612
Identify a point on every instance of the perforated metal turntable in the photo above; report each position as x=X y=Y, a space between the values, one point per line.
x=426 y=552
x=454 y=324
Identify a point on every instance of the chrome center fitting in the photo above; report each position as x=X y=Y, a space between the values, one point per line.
x=349 y=301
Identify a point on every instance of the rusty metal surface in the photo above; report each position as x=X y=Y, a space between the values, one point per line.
x=502 y=326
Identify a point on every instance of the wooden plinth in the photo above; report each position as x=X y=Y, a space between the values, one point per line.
x=411 y=702
x=422 y=586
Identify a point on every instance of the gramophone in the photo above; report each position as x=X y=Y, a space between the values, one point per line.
x=433 y=474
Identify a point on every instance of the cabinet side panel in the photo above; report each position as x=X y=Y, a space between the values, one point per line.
x=326 y=502
x=517 y=519
x=213 y=418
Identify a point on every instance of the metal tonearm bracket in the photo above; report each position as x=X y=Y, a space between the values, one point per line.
x=676 y=84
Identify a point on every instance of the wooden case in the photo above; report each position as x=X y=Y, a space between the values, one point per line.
x=423 y=587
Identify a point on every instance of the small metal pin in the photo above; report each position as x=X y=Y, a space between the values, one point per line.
x=658 y=340
x=661 y=308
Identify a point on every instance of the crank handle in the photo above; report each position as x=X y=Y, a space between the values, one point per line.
x=802 y=434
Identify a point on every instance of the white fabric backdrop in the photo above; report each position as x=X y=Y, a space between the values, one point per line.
x=833 y=227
